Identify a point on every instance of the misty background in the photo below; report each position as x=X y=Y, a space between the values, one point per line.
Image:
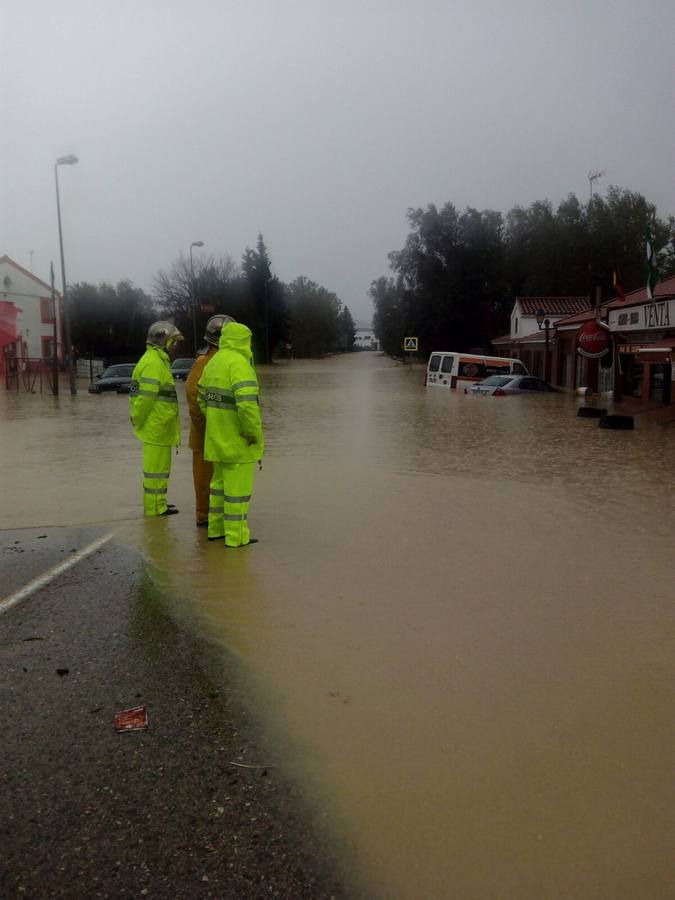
x=316 y=124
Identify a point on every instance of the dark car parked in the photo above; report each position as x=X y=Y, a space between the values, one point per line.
x=114 y=378
x=180 y=368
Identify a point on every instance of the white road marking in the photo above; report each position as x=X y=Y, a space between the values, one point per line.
x=41 y=580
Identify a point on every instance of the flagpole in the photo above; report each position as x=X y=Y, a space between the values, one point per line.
x=652 y=271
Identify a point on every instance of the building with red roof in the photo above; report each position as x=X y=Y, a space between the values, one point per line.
x=636 y=361
x=27 y=314
x=526 y=340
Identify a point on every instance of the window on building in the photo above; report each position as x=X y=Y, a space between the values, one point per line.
x=515 y=330
x=46 y=311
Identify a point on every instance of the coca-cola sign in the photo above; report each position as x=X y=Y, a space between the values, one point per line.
x=593 y=340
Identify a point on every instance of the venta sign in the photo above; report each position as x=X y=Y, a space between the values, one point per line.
x=593 y=341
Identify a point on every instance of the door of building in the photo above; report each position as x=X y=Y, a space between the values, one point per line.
x=660 y=382
x=633 y=373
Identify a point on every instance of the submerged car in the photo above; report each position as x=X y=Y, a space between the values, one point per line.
x=500 y=385
x=180 y=368
x=114 y=378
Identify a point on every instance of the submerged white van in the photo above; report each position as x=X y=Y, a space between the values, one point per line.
x=446 y=367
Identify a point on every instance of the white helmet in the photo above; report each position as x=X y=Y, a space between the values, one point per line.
x=163 y=334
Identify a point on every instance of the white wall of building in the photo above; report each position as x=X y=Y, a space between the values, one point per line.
x=522 y=325
x=526 y=324
x=31 y=296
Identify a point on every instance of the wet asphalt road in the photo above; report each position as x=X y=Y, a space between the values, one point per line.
x=86 y=812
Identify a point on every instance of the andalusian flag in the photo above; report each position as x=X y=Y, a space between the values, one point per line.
x=652 y=272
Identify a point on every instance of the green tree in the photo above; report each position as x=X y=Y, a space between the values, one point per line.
x=457 y=275
x=110 y=321
x=449 y=286
x=268 y=297
x=347 y=330
x=389 y=318
x=315 y=323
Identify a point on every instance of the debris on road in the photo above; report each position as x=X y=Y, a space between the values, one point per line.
x=135 y=719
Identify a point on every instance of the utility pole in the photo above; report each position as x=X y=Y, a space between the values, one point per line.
x=70 y=160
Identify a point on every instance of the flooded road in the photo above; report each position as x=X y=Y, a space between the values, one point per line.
x=458 y=621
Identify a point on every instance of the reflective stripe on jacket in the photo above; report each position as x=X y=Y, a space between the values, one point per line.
x=228 y=397
x=153 y=404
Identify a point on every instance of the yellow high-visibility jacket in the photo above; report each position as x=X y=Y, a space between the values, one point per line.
x=153 y=404
x=228 y=397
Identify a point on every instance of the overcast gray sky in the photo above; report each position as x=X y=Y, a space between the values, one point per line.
x=317 y=123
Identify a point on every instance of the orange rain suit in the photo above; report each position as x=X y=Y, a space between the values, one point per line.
x=202 y=469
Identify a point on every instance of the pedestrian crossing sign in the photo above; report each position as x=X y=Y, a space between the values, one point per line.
x=410 y=343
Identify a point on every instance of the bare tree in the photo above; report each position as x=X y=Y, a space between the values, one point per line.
x=216 y=285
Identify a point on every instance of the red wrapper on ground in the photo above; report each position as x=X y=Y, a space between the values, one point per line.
x=135 y=719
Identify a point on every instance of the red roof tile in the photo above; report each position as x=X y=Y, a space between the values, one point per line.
x=553 y=306
x=586 y=316
x=534 y=338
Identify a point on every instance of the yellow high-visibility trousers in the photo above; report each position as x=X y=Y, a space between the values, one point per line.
x=229 y=498
x=156 y=471
x=202 y=473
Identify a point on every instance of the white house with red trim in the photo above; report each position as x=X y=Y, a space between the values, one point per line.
x=525 y=309
x=26 y=312
x=526 y=340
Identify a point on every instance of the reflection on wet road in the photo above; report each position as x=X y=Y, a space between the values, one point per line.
x=459 y=617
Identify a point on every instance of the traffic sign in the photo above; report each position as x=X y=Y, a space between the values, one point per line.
x=410 y=343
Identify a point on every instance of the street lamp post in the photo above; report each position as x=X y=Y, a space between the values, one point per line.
x=55 y=361
x=192 y=295
x=541 y=320
x=69 y=160
x=267 y=320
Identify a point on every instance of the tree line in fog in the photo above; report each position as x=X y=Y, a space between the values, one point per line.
x=302 y=318
x=454 y=281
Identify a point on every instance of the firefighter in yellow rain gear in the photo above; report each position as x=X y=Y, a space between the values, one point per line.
x=153 y=406
x=202 y=469
x=228 y=398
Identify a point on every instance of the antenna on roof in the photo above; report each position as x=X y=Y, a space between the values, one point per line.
x=593 y=176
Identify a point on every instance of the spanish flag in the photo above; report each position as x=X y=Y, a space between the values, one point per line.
x=616 y=283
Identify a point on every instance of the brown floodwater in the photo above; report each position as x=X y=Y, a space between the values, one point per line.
x=458 y=622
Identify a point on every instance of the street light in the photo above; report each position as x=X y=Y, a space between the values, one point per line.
x=69 y=160
x=192 y=294
x=541 y=320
